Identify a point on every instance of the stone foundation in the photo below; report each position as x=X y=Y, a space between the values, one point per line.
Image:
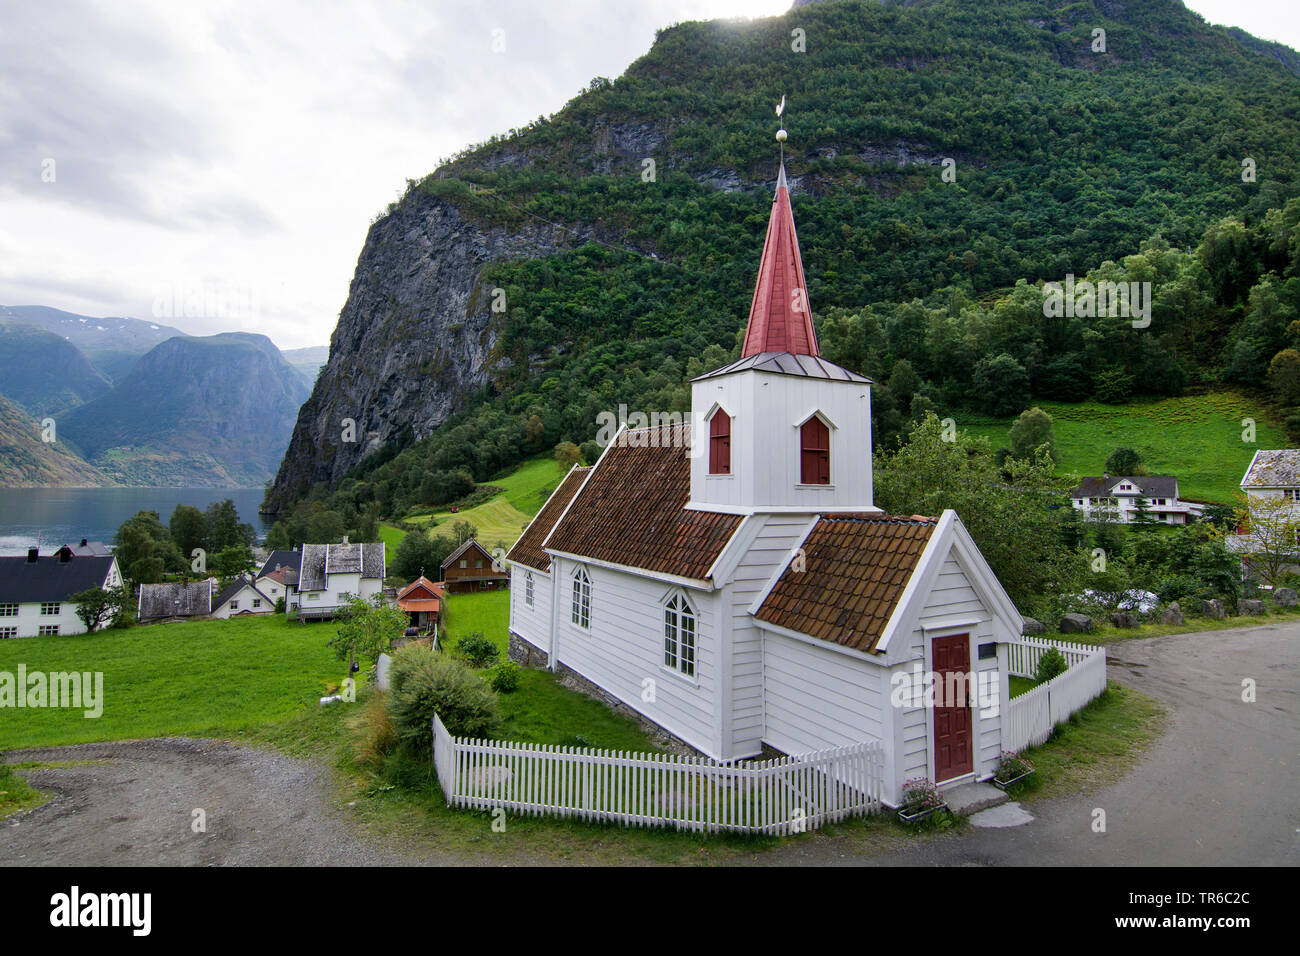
x=525 y=654
x=663 y=739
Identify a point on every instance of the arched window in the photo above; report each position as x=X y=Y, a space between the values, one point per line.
x=528 y=588
x=679 y=635
x=581 y=610
x=720 y=443
x=815 y=452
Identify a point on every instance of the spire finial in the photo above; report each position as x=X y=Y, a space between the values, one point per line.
x=781 y=133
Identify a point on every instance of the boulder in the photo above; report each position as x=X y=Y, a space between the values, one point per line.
x=1173 y=614
x=1284 y=597
x=1124 y=619
x=1076 y=624
x=1250 y=607
x=1213 y=608
x=381 y=671
x=1033 y=626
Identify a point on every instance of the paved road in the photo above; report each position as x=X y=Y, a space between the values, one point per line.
x=1220 y=787
x=133 y=806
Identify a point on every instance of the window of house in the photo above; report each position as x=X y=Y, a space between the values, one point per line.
x=8 y=632
x=234 y=605
x=528 y=589
x=48 y=630
x=8 y=610
x=478 y=563
x=464 y=565
x=1292 y=494
x=720 y=443
x=815 y=452
x=581 y=611
x=679 y=635
x=257 y=602
x=50 y=608
x=313 y=596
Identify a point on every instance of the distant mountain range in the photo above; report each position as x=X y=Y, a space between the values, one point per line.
x=138 y=403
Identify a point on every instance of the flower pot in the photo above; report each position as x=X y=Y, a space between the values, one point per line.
x=918 y=815
x=1003 y=784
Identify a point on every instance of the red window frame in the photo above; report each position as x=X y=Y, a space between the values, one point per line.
x=720 y=443
x=814 y=452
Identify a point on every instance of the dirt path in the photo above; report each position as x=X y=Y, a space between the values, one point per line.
x=134 y=806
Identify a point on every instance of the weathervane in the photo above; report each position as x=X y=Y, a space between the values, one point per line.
x=780 y=133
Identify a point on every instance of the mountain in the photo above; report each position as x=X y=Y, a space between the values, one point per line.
x=43 y=372
x=111 y=344
x=308 y=361
x=26 y=461
x=212 y=411
x=939 y=153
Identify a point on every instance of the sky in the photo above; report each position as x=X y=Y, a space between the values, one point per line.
x=214 y=164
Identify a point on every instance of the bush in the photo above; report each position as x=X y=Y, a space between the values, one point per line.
x=505 y=677
x=1050 y=665
x=374 y=732
x=478 y=650
x=279 y=605
x=425 y=683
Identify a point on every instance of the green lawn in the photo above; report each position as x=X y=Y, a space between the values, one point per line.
x=195 y=678
x=391 y=536
x=528 y=487
x=1196 y=438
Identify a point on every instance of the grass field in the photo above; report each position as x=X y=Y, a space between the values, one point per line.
x=1196 y=438
x=501 y=519
x=196 y=678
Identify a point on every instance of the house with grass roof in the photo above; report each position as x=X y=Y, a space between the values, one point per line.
x=729 y=580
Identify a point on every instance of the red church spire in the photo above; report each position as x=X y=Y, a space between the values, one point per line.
x=780 y=317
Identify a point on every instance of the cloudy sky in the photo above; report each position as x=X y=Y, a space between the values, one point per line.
x=214 y=164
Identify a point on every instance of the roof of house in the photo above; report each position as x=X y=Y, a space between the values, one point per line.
x=470 y=543
x=49 y=579
x=1151 y=486
x=854 y=571
x=90 y=549
x=780 y=314
x=632 y=509
x=420 y=595
x=787 y=363
x=280 y=559
x=421 y=582
x=528 y=549
x=280 y=576
x=233 y=588
x=320 y=560
x=1274 y=468
x=175 y=599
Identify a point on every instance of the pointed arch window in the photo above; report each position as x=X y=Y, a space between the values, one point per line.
x=528 y=588
x=580 y=611
x=814 y=452
x=679 y=635
x=720 y=443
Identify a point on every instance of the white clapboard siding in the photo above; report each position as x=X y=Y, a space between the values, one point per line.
x=782 y=796
x=1033 y=714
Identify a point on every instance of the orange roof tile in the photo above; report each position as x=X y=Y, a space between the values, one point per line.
x=528 y=549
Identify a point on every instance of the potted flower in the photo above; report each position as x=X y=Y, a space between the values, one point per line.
x=920 y=800
x=1012 y=768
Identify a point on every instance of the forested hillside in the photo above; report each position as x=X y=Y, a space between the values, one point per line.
x=1169 y=158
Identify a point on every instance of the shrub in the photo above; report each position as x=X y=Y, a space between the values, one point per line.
x=425 y=683
x=477 y=649
x=374 y=732
x=1050 y=665
x=505 y=677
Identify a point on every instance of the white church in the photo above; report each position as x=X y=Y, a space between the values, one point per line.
x=738 y=589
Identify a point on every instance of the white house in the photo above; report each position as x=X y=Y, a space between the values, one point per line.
x=328 y=573
x=1116 y=499
x=272 y=578
x=175 y=600
x=1273 y=474
x=34 y=590
x=731 y=581
x=242 y=596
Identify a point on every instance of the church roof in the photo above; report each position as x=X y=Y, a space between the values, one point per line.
x=780 y=315
x=787 y=363
x=855 y=570
x=528 y=549
x=632 y=509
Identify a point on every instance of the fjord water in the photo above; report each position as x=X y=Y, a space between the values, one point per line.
x=59 y=516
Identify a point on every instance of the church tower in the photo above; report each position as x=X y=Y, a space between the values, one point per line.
x=781 y=429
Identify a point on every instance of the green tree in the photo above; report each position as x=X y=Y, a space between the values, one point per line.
x=1284 y=375
x=97 y=606
x=1124 y=462
x=224 y=527
x=1032 y=431
x=188 y=528
x=366 y=628
x=232 y=562
x=567 y=454
x=1001 y=385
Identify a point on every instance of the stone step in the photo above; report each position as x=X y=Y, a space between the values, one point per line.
x=972 y=797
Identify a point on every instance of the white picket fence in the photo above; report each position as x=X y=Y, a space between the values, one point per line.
x=1033 y=714
x=782 y=796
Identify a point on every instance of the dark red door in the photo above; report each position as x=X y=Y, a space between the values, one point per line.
x=952 y=730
